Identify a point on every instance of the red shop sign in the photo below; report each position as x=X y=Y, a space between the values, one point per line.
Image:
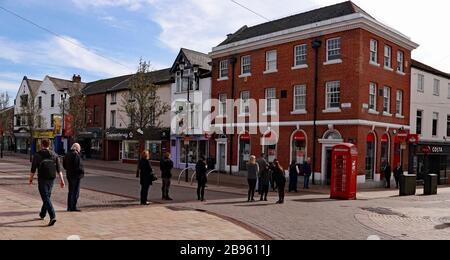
x=299 y=136
x=413 y=139
x=245 y=137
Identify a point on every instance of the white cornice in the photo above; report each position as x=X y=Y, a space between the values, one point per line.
x=344 y=23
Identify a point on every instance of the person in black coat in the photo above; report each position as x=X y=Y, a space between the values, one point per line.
x=293 y=176
x=75 y=172
x=145 y=173
x=202 y=178
x=280 y=180
x=166 y=167
x=387 y=175
x=397 y=173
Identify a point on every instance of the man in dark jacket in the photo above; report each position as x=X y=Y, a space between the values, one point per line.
x=397 y=173
x=166 y=167
x=387 y=175
x=47 y=164
x=74 y=172
x=202 y=178
x=307 y=171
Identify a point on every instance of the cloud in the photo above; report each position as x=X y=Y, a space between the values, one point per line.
x=130 y=4
x=67 y=53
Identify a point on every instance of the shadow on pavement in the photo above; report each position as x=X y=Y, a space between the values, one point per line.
x=226 y=203
x=15 y=224
x=256 y=205
x=16 y=213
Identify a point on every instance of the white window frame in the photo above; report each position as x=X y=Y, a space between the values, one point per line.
x=331 y=93
x=373 y=96
x=271 y=95
x=337 y=48
x=299 y=98
x=448 y=94
x=245 y=102
x=435 y=117
x=387 y=100
x=246 y=61
x=223 y=69
x=399 y=103
x=178 y=81
x=388 y=57
x=436 y=87
x=421 y=121
x=222 y=105
x=271 y=61
x=374 y=51
x=300 y=55
x=420 y=83
x=400 y=61
x=114 y=97
x=113 y=118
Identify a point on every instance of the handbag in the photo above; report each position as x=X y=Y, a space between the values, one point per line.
x=154 y=178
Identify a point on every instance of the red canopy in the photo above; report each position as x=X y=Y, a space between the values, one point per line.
x=299 y=136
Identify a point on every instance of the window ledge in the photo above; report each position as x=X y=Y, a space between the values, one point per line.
x=299 y=112
x=332 y=110
x=243 y=115
x=374 y=64
x=222 y=79
x=270 y=71
x=399 y=116
x=331 y=62
x=374 y=112
x=401 y=73
x=387 y=114
x=299 y=67
x=388 y=69
x=269 y=114
x=221 y=117
x=245 y=75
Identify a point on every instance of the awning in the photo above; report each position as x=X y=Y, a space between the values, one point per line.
x=245 y=137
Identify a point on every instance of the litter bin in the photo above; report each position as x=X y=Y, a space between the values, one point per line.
x=408 y=185
x=431 y=184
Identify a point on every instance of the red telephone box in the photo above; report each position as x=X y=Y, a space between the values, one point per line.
x=344 y=172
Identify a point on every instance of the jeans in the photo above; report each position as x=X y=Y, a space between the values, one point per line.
x=45 y=190
x=251 y=189
x=74 y=192
x=307 y=177
x=165 y=188
x=264 y=191
x=144 y=193
x=201 y=189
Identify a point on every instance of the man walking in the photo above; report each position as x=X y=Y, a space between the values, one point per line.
x=202 y=178
x=263 y=166
x=75 y=172
x=166 y=167
x=398 y=172
x=388 y=175
x=47 y=164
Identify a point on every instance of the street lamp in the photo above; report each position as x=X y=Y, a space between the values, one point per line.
x=64 y=97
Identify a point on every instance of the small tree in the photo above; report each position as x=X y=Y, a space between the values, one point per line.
x=75 y=107
x=141 y=104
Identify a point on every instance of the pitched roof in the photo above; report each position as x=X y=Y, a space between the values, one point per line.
x=310 y=17
x=62 y=84
x=102 y=86
x=158 y=77
x=197 y=58
x=421 y=66
x=33 y=84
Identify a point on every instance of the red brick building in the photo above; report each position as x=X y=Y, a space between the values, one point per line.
x=363 y=90
x=92 y=138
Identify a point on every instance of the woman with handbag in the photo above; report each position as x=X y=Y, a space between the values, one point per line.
x=145 y=173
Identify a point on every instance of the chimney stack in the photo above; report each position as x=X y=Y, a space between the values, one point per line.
x=76 y=78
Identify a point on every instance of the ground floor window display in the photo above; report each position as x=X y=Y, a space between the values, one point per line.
x=131 y=150
x=195 y=151
x=22 y=145
x=299 y=147
x=244 y=151
x=155 y=149
x=384 y=151
x=370 y=157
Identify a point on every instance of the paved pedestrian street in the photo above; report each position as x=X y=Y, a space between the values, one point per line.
x=110 y=210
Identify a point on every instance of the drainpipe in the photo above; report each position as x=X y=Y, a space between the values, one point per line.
x=315 y=45
x=233 y=61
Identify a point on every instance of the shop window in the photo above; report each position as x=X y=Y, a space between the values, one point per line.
x=155 y=149
x=370 y=157
x=195 y=151
x=299 y=147
x=385 y=144
x=131 y=150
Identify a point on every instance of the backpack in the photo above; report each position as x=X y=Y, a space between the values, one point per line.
x=47 y=167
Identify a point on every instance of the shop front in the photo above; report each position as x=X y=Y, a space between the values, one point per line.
x=91 y=141
x=22 y=141
x=188 y=149
x=114 y=139
x=432 y=158
x=39 y=136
